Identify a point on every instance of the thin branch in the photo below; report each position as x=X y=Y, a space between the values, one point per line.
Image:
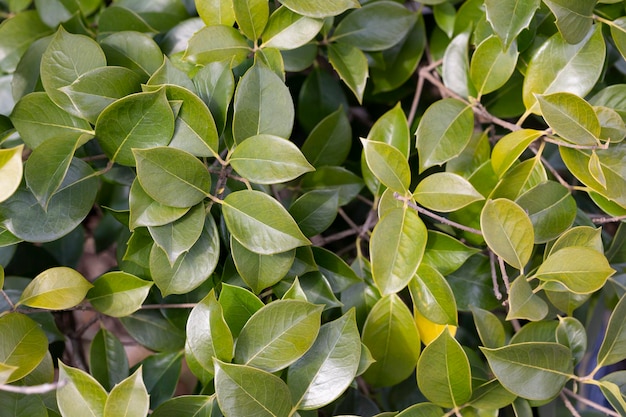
x=569 y=405
x=604 y=219
x=33 y=389
x=420 y=87
x=590 y=403
x=348 y=220
x=324 y=240
x=505 y=277
x=8 y=300
x=602 y=146
x=494 y=276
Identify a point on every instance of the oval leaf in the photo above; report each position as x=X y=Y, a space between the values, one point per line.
x=118 y=294
x=492 y=65
x=320 y=9
x=351 y=65
x=388 y=164
x=23 y=345
x=509 y=17
x=56 y=289
x=571 y=117
x=510 y=147
x=445 y=192
x=217 y=43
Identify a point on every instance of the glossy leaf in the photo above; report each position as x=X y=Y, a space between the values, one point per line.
x=16 y=35
x=524 y=303
x=445 y=192
x=500 y=221
x=288 y=30
x=351 y=65
x=172 y=177
x=251 y=17
x=129 y=398
x=246 y=391
x=11 y=170
x=145 y=211
x=23 y=345
x=510 y=147
x=532 y=370
x=268 y=159
x=81 y=394
x=315 y=211
x=188 y=406
x=612 y=349
x=329 y=142
x=509 y=17
x=339 y=179
x=489 y=327
x=260 y=223
x=388 y=164
x=397 y=246
x=108 y=363
x=137 y=121
x=573 y=18
x=260 y=271
x=392 y=128
x=153 y=331
x=215 y=85
x=216 y=12
x=445 y=253
x=571 y=117
x=433 y=297
x=449 y=388
x=572 y=333
x=239 y=305
x=392 y=338
x=217 y=43
x=337 y=272
x=492 y=65
x=618 y=32
x=328 y=368
x=443 y=132
x=133 y=50
x=56 y=288
x=455 y=65
x=118 y=293
x=179 y=236
x=320 y=9
x=278 y=334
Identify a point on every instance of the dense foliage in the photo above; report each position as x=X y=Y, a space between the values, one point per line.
x=308 y=208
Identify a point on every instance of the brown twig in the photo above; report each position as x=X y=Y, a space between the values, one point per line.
x=33 y=389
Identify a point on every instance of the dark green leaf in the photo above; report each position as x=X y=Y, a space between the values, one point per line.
x=107 y=359
x=161 y=372
x=133 y=50
x=445 y=253
x=315 y=211
x=16 y=35
x=574 y=18
x=351 y=65
x=179 y=236
x=509 y=17
x=524 y=303
x=188 y=406
x=153 y=331
x=489 y=327
x=239 y=305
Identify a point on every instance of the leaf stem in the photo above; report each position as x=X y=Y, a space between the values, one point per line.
x=569 y=405
x=8 y=300
x=590 y=403
x=494 y=276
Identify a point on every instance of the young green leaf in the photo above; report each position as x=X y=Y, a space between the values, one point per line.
x=509 y=17
x=146 y=211
x=56 y=289
x=217 y=43
x=510 y=147
x=388 y=164
x=574 y=18
x=23 y=345
x=179 y=236
x=492 y=65
x=320 y=9
x=129 y=398
x=287 y=30
x=118 y=294
x=523 y=303
x=11 y=170
x=445 y=253
x=571 y=117
x=613 y=346
x=433 y=297
x=445 y=192
x=216 y=12
x=188 y=405
x=351 y=65
x=81 y=395
x=239 y=305
x=108 y=362
x=251 y=17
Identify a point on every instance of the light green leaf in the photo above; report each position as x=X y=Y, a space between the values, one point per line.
x=492 y=65
x=574 y=18
x=260 y=271
x=397 y=246
x=443 y=132
x=519 y=179
x=287 y=30
x=330 y=141
x=16 y=35
x=433 y=297
x=580 y=269
x=81 y=395
x=445 y=192
x=613 y=128
x=251 y=17
x=315 y=211
x=262 y=105
x=170 y=75
x=268 y=159
x=421 y=410
x=560 y=67
x=532 y=370
x=108 y=363
x=584 y=236
x=216 y=12
x=137 y=121
x=188 y=406
x=489 y=328
x=392 y=128
x=208 y=337
x=278 y=334
x=246 y=391
x=116 y=19
x=11 y=171
x=572 y=333
x=56 y=288
x=179 y=236
x=613 y=348
x=509 y=17
x=133 y=50
x=23 y=346
x=510 y=147
x=328 y=368
x=118 y=294
x=37 y=119
x=320 y=8
x=388 y=164
x=455 y=65
x=618 y=32
x=171 y=176
x=129 y=398
x=523 y=303
x=351 y=65
x=445 y=253
x=239 y=305
x=613 y=391
x=375 y=27
x=443 y=372
x=571 y=117
x=391 y=336
x=217 y=43
x=5 y=372
x=260 y=223
x=145 y=211
x=508 y=231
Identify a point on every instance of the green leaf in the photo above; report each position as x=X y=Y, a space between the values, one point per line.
x=532 y=370
x=145 y=211
x=492 y=65
x=392 y=338
x=580 y=269
x=572 y=333
x=260 y=223
x=133 y=50
x=433 y=297
x=421 y=410
x=239 y=305
x=509 y=17
x=262 y=105
x=268 y=159
x=613 y=391
x=330 y=141
x=445 y=192
x=510 y=147
x=278 y=334
x=519 y=179
x=117 y=19
x=215 y=84
x=118 y=293
x=445 y=253
x=375 y=27
x=571 y=117
x=179 y=236
x=339 y=179
x=260 y=271
x=524 y=303
x=574 y=18
x=392 y=128
x=315 y=211
x=287 y=30
x=351 y=65
x=443 y=132
x=443 y=372
x=56 y=288
x=67 y=58
x=11 y=170
x=560 y=67
x=208 y=337
x=16 y=35
x=246 y=391
x=191 y=268
x=613 y=346
x=320 y=9
x=170 y=75
x=397 y=246
x=81 y=395
x=217 y=43
x=216 y=12
x=613 y=128
x=23 y=345
x=508 y=231
x=337 y=272
x=137 y=121
x=618 y=33
x=251 y=16
x=584 y=236
x=107 y=359
x=161 y=373
x=129 y=398
x=455 y=65
x=328 y=367
x=388 y=164
x=37 y=119
x=188 y=406
x=171 y=176
x=153 y=331
x=489 y=327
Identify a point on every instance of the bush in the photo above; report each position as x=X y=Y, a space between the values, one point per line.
x=319 y=208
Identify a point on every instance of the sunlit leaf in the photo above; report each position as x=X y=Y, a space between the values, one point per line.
x=509 y=17
x=613 y=346
x=23 y=345
x=118 y=293
x=56 y=289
